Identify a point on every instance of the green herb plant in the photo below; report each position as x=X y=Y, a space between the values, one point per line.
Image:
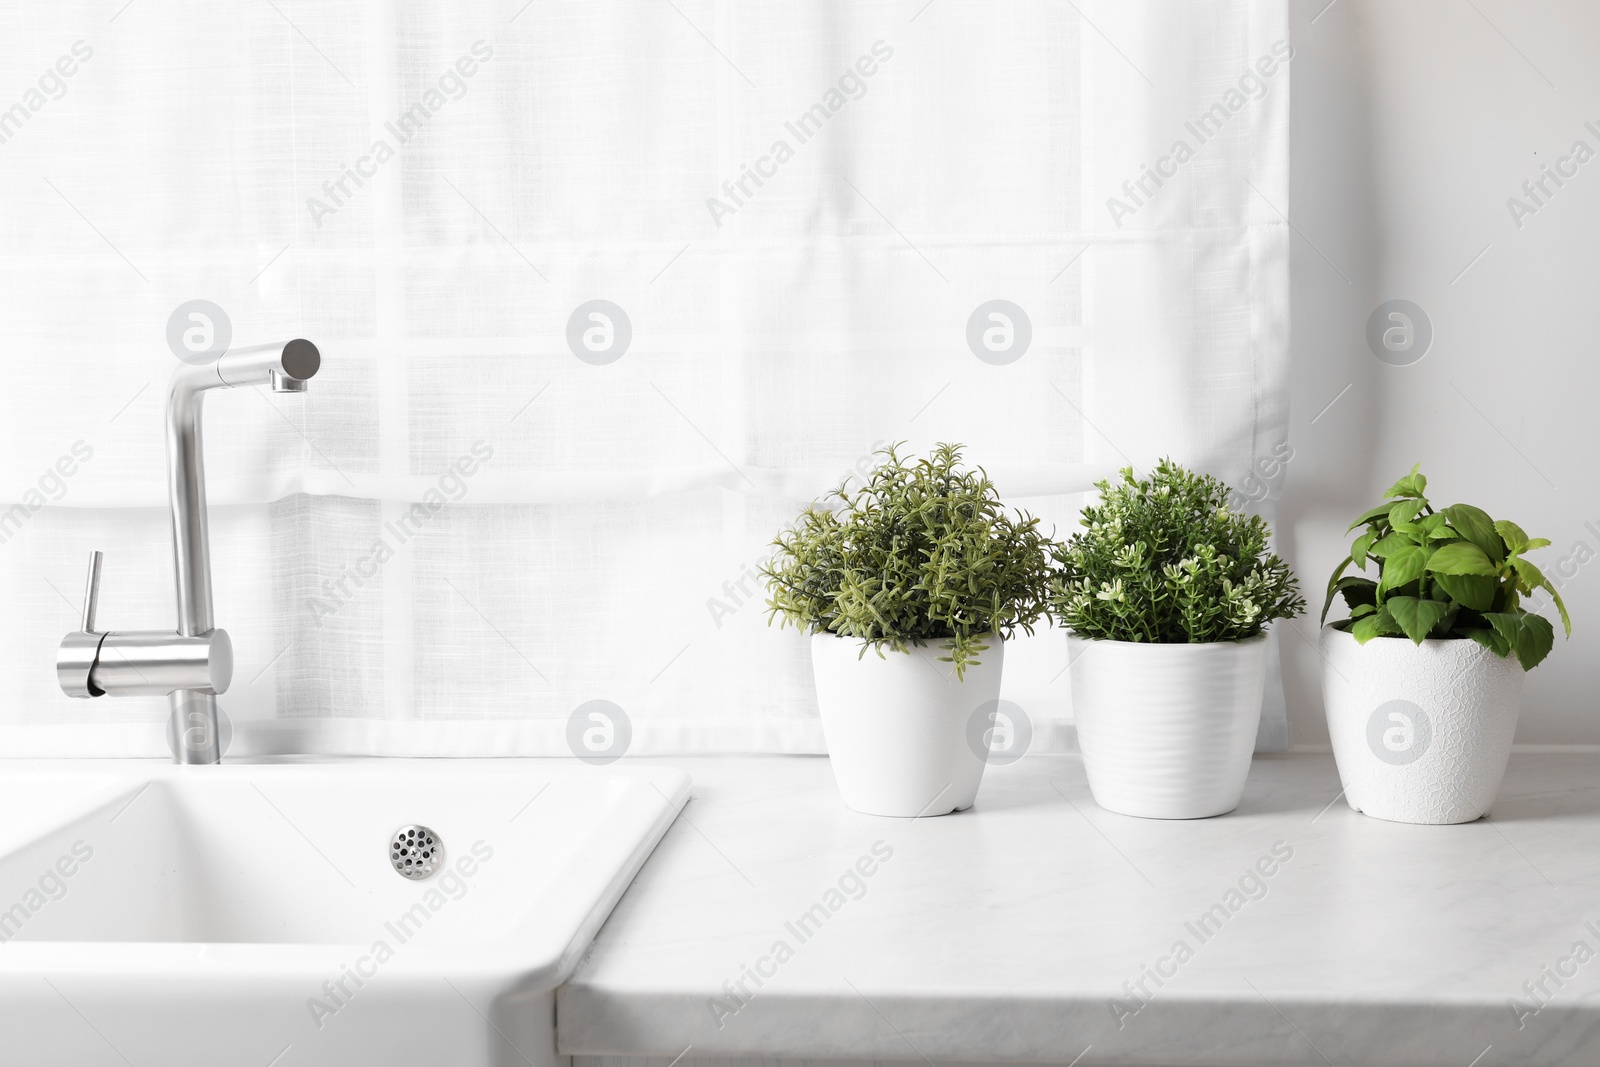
x=1165 y=560
x=1452 y=573
x=923 y=552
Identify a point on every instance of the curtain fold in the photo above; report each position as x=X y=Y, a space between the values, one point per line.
x=605 y=293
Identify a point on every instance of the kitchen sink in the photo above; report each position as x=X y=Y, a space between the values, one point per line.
x=260 y=913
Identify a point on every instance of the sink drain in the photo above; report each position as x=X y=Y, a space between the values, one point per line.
x=416 y=852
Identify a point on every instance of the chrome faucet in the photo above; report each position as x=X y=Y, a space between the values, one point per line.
x=195 y=663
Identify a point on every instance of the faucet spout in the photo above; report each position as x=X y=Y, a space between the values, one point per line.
x=293 y=361
x=270 y=364
x=286 y=367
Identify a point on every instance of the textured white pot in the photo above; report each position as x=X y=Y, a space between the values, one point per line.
x=897 y=728
x=1421 y=733
x=1167 y=730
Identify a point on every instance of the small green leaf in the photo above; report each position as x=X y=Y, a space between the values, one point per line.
x=1512 y=535
x=1395 y=542
x=1536 y=542
x=1404 y=512
x=1475 y=525
x=1507 y=624
x=1379 y=624
x=1417 y=618
x=1432 y=524
x=1529 y=577
x=1362 y=609
x=1381 y=511
x=1412 y=484
x=1469 y=590
x=1358 y=590
x=1566 y=620
x=1359 y=550
x=1529 y=636
x=1333 y=583
x=1403 y=565
x=1461 y=557
x=1538 y=636
x=1490 y=640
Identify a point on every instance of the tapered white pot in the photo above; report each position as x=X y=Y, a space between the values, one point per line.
x=1421 y=733
x=897 y=727
x=1167 y=731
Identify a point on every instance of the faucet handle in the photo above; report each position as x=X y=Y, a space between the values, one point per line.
x=80 y=651
x=91 y=593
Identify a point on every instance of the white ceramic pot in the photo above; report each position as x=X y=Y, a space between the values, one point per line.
x=1421 y=733
x=898 y=727
x=1167 y=731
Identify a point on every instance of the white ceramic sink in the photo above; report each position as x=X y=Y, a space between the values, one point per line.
x=249 y=914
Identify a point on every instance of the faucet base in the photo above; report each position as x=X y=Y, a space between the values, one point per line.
x=193 y=730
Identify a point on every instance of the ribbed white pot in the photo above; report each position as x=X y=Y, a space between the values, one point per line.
x=897 y=727
x=1167 y=731
x=1421 y=733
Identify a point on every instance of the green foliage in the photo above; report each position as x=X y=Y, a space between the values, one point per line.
x=923 y=552
x=1452 y=573
x=1166 y=561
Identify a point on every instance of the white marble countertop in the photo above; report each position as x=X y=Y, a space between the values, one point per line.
x=1030 y=927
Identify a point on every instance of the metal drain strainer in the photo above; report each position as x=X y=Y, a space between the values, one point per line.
x=416 y=852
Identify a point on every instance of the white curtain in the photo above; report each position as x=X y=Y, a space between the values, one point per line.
x=799 y=217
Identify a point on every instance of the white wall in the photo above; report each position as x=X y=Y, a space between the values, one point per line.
x=1413 y=123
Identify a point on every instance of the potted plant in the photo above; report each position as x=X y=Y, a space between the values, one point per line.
x=1423 y=681
x=1166 y=593
x=909 y=586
